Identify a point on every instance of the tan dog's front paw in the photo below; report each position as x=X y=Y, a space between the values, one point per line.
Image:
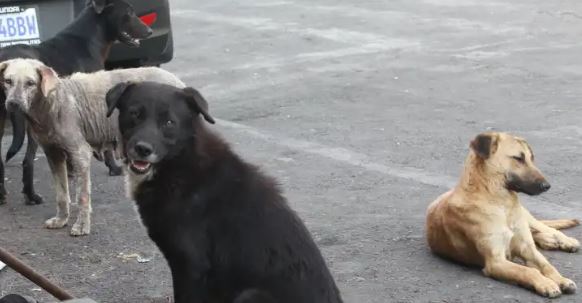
x=568 y=286
x=552 y=241
x=81 y=228
x=569 y=244
x=548 y=288
x=56 y=223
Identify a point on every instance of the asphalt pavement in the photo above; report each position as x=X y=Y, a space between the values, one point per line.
x=363 y=110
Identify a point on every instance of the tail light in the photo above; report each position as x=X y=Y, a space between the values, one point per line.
x=149 y=19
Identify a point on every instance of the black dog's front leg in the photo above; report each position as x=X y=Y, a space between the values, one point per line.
x=31 y=198
x=114 y=169
x=189 y=265
x=2 y=123
x=254 y=296
x=189 y=287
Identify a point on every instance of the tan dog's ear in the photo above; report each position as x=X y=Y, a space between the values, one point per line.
x=197 y=103
x=484 y=145
x=48 y=80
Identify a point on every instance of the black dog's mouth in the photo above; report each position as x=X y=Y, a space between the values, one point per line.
x=140 y=167
x=135 y=31
x=126 y=38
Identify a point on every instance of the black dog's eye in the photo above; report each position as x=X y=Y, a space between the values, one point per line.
x=520 y=158
x=134 y=114
x=8 y=81
x=170 y=123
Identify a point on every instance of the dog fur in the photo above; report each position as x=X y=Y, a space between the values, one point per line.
x=224 y=227
x=67 y=117
x=83 y=46
x=481 y=221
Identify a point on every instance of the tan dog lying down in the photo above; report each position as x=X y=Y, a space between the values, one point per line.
x=481 y=221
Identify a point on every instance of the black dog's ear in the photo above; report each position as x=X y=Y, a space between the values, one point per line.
x=197 y=103
x=484 y=145
x=99 y=5
x=114 y=95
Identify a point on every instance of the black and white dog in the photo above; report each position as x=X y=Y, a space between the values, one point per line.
x=223 y=226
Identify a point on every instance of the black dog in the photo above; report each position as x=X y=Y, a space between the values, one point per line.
x=227 y=233
x=83 y=46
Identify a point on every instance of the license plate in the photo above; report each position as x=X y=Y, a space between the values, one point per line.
x=18 y=25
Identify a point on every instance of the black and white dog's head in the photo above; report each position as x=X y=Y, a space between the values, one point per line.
x=156 y=121
x=121 y=22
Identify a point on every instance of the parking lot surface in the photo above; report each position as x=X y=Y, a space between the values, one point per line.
x=363 y=110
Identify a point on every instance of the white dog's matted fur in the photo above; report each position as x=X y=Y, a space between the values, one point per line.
x=68 y=118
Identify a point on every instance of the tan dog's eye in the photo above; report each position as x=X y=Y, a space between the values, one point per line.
x=30 y=83
x=8 y=81
x=520 y=158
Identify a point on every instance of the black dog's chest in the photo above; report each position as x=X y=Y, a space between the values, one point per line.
x=170 y=216
x=163 y=207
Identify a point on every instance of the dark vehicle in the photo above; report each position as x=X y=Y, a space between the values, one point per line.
x=30 y=22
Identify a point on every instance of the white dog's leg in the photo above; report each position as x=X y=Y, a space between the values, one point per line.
x=59 y=170
x=77 y=185
x=83 y=179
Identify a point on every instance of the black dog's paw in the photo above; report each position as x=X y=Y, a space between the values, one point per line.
x=33 y=199
x=2 y=195
x=115 y=171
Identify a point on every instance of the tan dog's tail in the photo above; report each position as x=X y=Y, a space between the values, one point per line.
x=561 y=223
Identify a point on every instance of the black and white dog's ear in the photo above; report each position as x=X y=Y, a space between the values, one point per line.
x=114 y=95
x=197 y=103
x=98 y=5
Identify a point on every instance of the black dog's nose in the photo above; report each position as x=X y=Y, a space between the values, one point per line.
x=545 y=186
x=143 y=149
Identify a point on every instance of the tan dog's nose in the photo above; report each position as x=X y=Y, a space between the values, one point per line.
x=545 y=186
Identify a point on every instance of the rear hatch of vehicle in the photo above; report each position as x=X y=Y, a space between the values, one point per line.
x=30 y=22
x=33 y=21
